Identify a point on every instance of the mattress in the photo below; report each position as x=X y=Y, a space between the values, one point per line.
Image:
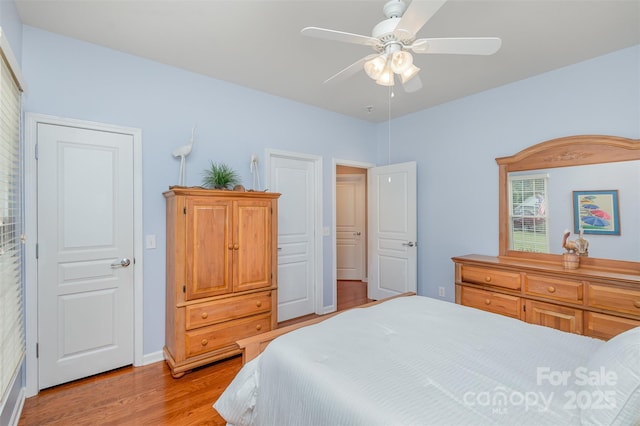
x=413 y=361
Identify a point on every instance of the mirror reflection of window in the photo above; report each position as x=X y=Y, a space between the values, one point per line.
x=528 y=213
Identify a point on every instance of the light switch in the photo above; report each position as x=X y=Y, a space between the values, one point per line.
x=151 y=241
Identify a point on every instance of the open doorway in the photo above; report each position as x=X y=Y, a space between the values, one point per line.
x=391 y=223
x=351 y=235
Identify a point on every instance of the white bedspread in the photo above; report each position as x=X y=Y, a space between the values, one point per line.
x=412 y=361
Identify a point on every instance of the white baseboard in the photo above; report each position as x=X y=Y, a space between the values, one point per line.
x=328 y=309
x=17 y=409
x=152 y=357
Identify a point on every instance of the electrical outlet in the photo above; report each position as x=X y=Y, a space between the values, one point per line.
x=441 y=291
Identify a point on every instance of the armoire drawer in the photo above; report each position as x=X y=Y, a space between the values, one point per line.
x=554 y=288
x=605 y=326
x=224 y=334
x=493 y=302
x=208 y=313
x=479 y=275
x=614 y=298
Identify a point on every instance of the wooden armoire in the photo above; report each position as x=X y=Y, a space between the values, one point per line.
x=221 y=273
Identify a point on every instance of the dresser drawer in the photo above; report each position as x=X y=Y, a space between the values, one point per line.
x=554 y=316
x=605 y=326
x=208 y=313
x=220 y=335
x=478 y=275
x=493 y=302
x=554 y=288
x=614 y=299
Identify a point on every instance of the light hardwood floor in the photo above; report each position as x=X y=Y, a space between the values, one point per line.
x=149 y=395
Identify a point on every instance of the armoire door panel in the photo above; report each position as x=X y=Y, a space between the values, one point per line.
x=253 y=239
x=209 y=248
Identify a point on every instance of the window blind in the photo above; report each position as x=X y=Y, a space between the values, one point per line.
x=528 y=213
x=12 y=345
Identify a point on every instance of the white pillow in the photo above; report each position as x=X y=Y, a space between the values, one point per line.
x=615 y=400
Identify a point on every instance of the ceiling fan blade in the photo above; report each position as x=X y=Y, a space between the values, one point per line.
x=412 y=85
x=334 y=35
x=460 y=45
x=350 y=70
x=416 y=15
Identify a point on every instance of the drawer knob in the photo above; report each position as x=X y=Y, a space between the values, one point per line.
x=259 y=303
x=230 y=247
x=551 y=289
x=488 y=278
x=259 y=327
x=204 y=342
x=204 y=315
x=236 y=246
x=636 y=303
x=487 y=301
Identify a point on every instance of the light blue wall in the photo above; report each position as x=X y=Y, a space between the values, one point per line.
x=456 y=144
x=69 y=78
x=11 y=25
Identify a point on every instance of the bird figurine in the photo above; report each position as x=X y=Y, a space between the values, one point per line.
x=183 y=152
x=579 y=246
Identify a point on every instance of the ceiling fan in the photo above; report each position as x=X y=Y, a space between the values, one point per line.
x=394 y=39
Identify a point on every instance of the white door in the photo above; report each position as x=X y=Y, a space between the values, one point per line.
x=294 y=178
x=85 y=252
x=350 y=226
x=392 y=230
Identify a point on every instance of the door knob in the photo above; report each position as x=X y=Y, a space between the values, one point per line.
x=410 y=244
x=123 y=263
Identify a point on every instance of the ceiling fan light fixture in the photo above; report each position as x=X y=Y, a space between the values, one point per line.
x=375 y=67
x=401 y=61
x=386 y=78
x=409 y=73
x=394 y=41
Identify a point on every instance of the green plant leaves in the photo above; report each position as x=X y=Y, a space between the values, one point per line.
x=220 y=176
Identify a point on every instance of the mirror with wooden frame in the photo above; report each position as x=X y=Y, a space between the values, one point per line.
x=565 y=165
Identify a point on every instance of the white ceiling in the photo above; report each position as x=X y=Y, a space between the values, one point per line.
x=257 y=43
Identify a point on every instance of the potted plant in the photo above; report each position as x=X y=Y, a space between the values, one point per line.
x=220 y=176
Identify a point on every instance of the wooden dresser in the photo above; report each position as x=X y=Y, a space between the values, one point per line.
x=590 y=301
x=221 y=273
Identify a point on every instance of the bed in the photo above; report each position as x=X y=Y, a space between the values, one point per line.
x=420 y=361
